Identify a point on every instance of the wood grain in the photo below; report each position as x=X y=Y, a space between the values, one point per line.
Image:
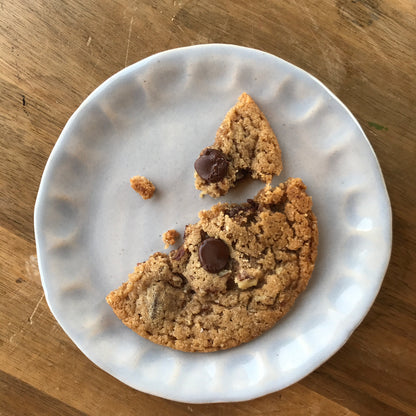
x=54 y=53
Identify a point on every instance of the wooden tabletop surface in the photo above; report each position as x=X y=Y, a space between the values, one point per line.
x=54 y=53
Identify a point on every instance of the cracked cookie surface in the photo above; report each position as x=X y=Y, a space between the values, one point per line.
x=266 y=249
x=245 y=144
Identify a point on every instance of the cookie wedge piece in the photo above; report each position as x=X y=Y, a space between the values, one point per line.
x=245 y=144
x=240 y=269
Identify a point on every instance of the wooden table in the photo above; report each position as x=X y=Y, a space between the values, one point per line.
x=54 y=53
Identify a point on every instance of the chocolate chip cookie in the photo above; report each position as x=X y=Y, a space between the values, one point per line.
x=244 y=145
x=239 y=270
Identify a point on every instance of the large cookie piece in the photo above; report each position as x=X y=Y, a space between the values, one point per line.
x=244 y=145
x=239 y=270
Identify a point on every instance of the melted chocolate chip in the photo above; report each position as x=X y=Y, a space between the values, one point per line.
x=204 y=235
x=241 y=174
x=213 y=255
x=231 y=285
x=233 y=211
x=248 y=210
x=179 y=253
x=253 y=204
x=212 y=165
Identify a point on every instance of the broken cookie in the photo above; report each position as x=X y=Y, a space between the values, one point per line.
x=244 y=145
x=239 y=270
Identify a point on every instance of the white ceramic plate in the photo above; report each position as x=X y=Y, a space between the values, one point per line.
x=152 y=119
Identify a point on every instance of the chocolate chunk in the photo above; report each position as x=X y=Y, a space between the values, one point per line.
x=253 y=204
x=213 y=255
x=231 y=284
x=179 y=253
x=241 y=174
x=212 y=165
x=233 y=211
x=204 y=235
x=248 y=210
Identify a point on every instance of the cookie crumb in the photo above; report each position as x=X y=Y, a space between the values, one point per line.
x=170 y=237
x=143 y=186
